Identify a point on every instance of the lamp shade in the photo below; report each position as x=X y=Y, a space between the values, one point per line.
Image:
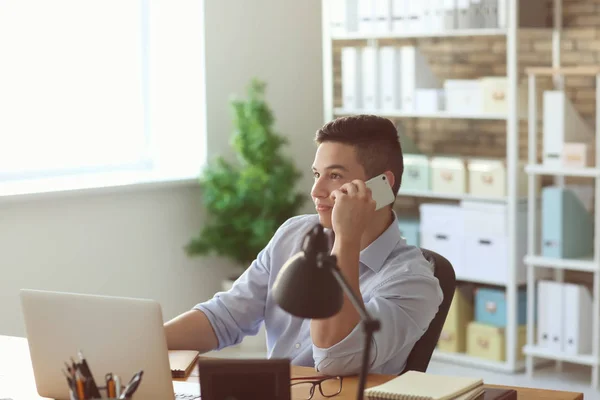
x=305 y=286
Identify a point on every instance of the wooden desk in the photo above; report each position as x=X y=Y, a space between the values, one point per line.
x=17 y=381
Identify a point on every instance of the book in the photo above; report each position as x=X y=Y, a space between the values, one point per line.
x=414 y=385
x=182 y=362
x=499 y=394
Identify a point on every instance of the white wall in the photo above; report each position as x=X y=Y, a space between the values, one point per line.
x=278 y=41
x=129 y=242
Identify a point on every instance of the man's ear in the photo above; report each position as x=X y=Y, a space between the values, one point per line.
x=390 y=177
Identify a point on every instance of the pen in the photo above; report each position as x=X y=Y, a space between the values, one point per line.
x=69 y=380
x=132 y=386
x=80 y=386
x=92 y=389
x=117 y=386
x=110 y=386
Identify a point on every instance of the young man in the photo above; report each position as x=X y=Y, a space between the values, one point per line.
x=394 y=280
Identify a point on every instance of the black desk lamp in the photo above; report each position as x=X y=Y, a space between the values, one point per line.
x=310 y=285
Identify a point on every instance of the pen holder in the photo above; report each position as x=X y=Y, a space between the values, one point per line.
x=103 y=390
x=82 y=385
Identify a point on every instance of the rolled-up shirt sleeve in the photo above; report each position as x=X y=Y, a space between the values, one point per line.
x=240 y=311
x=405 y=304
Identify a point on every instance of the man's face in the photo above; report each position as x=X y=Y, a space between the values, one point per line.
x=335 y=164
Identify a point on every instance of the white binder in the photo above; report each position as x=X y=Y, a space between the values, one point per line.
x=555 y=311
x=436 y=11
x=561 y=123
x=389 y=74
x=463 y=14
x=415 y=13
x=450 y=10
x=415 y=73
x=543 y=314
x=502 y=13
x=366 y=16
x=400 y=16
x=343 y=16
x=383 y=15
x=369 y=78
x=490 y=13
x=578 y=319
x=351 y=87
x=476 y=14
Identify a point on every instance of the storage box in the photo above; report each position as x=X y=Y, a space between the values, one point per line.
x=463 y=96
x=442 y=232
x=448 y=175
x=490 y=307
x=409 y=229
x=489 y=342
x=487 y=178
x=486 y=243
x=578 y=155
x=494 y=93
x=453 y=338
x=429 y=100
x=416 y=174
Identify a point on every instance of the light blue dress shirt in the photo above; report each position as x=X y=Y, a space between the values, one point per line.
x=396 y=282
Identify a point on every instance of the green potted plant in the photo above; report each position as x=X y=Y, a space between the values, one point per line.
x=247 y=201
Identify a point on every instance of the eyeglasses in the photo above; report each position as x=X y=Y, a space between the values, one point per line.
x=329 y=386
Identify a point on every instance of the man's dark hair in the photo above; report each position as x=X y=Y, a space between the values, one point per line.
x=375 y=140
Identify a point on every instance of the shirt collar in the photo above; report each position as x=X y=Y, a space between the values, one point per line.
x=378 y=251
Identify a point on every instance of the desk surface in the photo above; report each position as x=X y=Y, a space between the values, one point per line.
x=17 y=381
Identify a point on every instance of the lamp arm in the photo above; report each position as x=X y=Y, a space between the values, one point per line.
x=370 y=325
x=330 y=261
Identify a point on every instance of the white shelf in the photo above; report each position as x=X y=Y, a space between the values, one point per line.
x=540 y=169
x=470 y=361
x=449 y=196
x=554 y=355
x=585 y=265
x=442 y=34
x=415 y=114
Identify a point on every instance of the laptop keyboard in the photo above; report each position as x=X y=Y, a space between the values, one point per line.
x=186 y=390
x=186 y=396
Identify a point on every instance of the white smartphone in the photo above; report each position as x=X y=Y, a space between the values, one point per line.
x=381 y=190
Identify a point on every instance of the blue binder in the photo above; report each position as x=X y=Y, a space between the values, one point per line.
x=567 y=227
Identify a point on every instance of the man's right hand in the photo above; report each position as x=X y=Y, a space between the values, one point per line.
x=191 y=331
x=353 y=208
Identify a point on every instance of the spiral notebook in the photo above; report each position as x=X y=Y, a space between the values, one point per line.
x=414 y=385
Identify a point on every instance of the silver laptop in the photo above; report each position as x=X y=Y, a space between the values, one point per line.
x=115 y=334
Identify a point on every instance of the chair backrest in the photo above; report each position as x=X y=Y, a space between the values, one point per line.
x=419 y=357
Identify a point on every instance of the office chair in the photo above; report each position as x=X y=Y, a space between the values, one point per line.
x=419 y=357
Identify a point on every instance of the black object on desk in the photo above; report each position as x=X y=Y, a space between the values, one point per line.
x=233 y=379
x=310 y=285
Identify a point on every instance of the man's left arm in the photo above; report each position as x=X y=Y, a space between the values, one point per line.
x=327 y=332
x=405 y=304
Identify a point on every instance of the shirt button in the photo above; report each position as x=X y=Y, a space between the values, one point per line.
x=297 y=345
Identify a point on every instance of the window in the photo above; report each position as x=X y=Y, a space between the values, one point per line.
x=95 y=87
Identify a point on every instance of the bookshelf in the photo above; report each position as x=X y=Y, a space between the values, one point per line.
x=510 y=34
x=533 y=350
